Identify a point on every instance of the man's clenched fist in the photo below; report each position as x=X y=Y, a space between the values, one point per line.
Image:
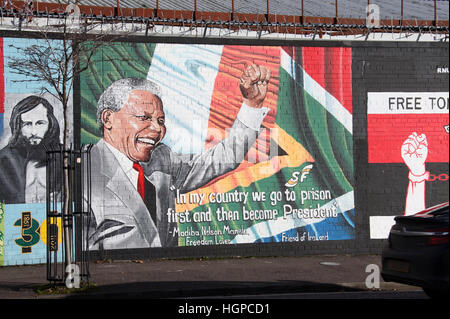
x=415 y=152
x=253 y=84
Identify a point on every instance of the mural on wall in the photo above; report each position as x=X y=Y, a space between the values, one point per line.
x=210 y=144
x=30 y=123
x=410 y=128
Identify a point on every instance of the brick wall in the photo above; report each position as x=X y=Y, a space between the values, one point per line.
x=379 y=182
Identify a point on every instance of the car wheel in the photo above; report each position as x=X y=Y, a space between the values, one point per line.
x=436 y=294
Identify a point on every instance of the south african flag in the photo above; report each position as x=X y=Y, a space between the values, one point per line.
x=298 y=176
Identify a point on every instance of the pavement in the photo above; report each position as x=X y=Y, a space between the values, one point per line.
x=182 y=278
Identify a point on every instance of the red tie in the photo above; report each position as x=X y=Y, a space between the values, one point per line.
x=141 y=180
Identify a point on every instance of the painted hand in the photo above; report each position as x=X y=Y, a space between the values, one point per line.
x=253 y=84
x=414 y=153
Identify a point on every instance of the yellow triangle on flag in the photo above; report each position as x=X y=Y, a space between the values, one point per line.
x=248 y=173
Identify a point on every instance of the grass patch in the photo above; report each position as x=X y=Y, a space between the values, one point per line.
x=61 y=289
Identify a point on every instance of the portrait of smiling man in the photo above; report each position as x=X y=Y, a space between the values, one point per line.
x=135 y=176
x=138 y=127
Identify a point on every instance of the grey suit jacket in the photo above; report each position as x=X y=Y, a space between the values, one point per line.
x=121 y=219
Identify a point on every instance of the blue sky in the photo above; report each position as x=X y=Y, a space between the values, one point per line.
x=8 y=52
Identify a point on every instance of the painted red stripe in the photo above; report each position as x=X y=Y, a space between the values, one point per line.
x=289 y=51
x=314 y=63
x=338 y=75
x=332 y=69
x=386 y=134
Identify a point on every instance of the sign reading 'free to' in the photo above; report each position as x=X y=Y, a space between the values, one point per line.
x=393 y=116
x=407 y=103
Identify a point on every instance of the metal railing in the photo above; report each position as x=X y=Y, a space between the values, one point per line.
x=68 y=229
x=268 y=21
x=294 y=27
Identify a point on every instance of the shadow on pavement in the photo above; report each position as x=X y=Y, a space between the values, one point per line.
x=177 y=289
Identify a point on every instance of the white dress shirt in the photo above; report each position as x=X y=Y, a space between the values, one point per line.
x=251 y=116
x=126 y=164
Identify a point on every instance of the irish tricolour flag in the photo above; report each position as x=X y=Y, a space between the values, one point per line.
x=297 y=177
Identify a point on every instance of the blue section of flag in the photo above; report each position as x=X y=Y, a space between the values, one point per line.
x=338 y=228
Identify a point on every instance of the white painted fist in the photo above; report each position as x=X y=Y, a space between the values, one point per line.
x=414 y=153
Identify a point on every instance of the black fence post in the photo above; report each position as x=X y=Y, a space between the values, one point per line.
x=77 y=221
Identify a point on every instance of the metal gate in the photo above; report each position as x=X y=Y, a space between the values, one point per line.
x=68 y=202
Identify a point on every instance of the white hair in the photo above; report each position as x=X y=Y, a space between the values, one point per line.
x=117 y=94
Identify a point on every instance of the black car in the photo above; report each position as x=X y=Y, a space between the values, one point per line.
x=417 y=251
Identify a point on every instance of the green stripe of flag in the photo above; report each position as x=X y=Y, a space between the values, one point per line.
x=110 y=63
